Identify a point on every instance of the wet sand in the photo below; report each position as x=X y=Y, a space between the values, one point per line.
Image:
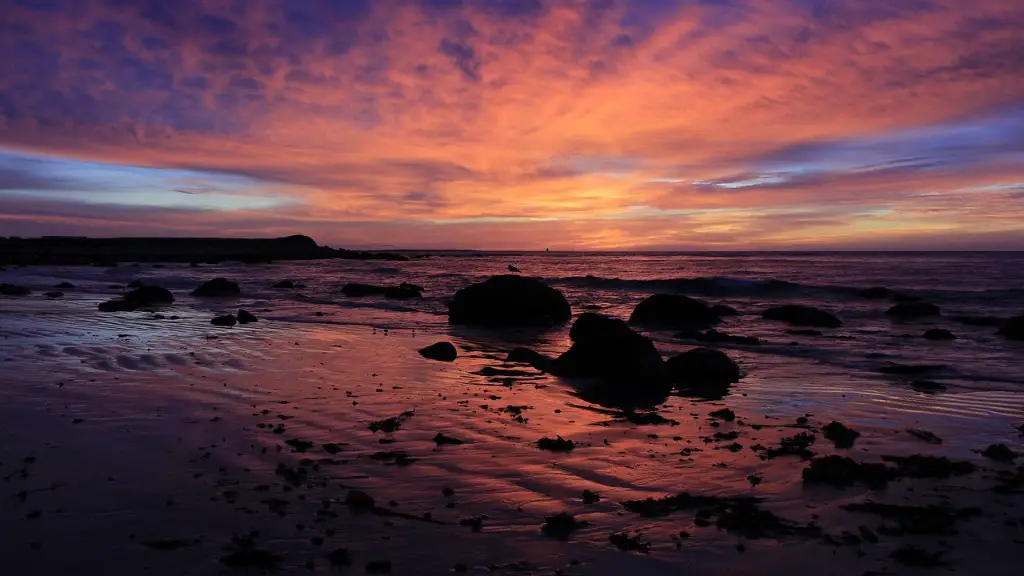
x=133 y=445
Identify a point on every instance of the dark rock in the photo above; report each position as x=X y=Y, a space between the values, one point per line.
x=797 y=445
x=910 y=310
x=702 y=371
x=531 y=357
x=218 y=287
x=724 y=310
x=340 y=557
x=403 y=292
x=799 y=315
x=875 y=292
x=141 y=297
x=590 y=497
x=919 y=466
x=723 y=414
x=623 y=541
x=441 y=439
x=13 y=290
x=509 y=300
x=610 y=350
x=389 y=425
x=53 y=294
x=284 y=284
x=359 y=500
x=843 y=471
x=924 y=435
x=513 y=269
x=442 y=351
x=1013 y=329
x=116 y=306
x=65 y=286
x=673 y=311
x=226 y=320
x=246 y=317
x=938 y=334
x=149 y=296
x=557 y=444
x=562 y=525
x=840 y=435
x=999 y=453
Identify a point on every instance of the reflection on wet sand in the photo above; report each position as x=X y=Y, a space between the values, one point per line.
x=155 y=447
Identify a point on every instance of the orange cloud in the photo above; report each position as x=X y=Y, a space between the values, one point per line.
x=577 y=124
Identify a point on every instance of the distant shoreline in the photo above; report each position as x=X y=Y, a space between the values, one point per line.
x=81 y=251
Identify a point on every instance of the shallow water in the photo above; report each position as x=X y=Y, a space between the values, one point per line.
x=174 y=444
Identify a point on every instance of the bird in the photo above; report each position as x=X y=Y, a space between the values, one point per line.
x=512 y=268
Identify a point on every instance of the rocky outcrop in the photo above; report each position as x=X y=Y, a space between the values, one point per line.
x=217 y=288
x=673 y=311
x=509 y=300
x=440 y=351
x=703 y=372
x=64 y=250
x=284 y=284
x=911 y=310
x=798 y=315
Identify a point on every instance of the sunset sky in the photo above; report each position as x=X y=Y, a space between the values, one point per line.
x=504 y=124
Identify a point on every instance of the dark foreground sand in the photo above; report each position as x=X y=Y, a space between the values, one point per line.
x=137 y=446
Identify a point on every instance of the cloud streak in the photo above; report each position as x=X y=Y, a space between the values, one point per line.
x=482 y=124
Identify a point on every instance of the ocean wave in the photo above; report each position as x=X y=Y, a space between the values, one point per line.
x=733 y=286
x=708 y=286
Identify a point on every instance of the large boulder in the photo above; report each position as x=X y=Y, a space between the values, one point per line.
x=798 y=315
x=509 y=300
x=626 y=363
x=673 y=311
x=218 y=287
x=702 y=372
x=1013 y=329
x=909 y=310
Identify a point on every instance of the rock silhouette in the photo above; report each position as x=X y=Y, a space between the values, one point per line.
x=509 y=300
x=673 y=311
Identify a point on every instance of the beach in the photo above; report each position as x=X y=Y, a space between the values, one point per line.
x=153 y=442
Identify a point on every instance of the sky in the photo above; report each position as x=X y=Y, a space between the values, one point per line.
x=518 y=124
